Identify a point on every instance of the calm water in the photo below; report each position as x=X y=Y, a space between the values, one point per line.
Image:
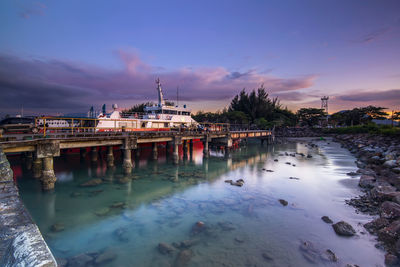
x=163 y=201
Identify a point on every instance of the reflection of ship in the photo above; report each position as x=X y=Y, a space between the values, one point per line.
x=157 y=117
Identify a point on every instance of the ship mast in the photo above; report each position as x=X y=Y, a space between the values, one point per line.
x=161 y=102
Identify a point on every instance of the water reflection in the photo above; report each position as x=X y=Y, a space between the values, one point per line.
x=127 y=216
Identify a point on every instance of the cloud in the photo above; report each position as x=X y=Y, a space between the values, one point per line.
x=369 y=96
x=373 y=36
x=50 y=86
x=29 y=9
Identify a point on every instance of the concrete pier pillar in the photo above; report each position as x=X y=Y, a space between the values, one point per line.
x=37 y=167
x=227 y=152
x=127 y=163
x=110 y=157
x=205 y=148
x=175 y=153
x=94 y=155
x=137 y=152
x=155 y=151
x=191 y=149
x=82 y=153
x=48 y=177
x=28 y=160
x=185 y=149
x=167 y=147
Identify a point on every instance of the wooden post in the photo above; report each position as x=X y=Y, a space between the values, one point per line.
x=110 y=156
x=155 y=151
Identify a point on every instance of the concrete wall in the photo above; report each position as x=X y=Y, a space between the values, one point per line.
x=21 y=243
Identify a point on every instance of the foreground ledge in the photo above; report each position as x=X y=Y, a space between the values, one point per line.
x=21 y=243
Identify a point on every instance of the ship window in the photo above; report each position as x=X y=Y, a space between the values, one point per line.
x=166 y=125
x=143 y=125
x=179 y=113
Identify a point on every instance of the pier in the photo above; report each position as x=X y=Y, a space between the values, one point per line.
x=41 y=150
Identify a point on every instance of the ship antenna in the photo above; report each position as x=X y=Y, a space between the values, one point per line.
x=177 y=96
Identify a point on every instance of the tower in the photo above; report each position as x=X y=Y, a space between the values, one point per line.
x=324 y=103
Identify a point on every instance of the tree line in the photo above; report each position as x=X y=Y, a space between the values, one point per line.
x=257 y=109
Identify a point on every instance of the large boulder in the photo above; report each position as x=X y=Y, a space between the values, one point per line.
x=376 y=225
x=390 y=210
x=343 y=228
x=390 y=233
x=384 y=192
x=165 y=248
x=92 y=182
x=183 y=258
x=390 y=163
x=367 y=181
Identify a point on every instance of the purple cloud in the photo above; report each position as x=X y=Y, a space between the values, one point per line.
x=60 y=86
x=388 y=95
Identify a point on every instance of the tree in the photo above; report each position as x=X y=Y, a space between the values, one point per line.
x=396 y=116
x=137 y=108
x=310 y=116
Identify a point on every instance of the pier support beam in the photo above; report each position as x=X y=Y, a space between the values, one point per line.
x=185 y=149
x=47 y=150
x=127 y=163
x=94 y=156
x=110 y=157
x=155 y=151
x=177 y=141
x=206 y=141
x=28 y=160
x=37 y=167
x=129 y=144
x=82 y=153
x=48 y=177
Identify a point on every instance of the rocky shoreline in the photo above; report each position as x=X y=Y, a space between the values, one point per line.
x=378 y=160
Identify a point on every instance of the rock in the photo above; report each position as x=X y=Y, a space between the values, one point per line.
x=165 y=248
x=390 y=163
x=197 y=228
x=186 y=244
x=391 y=260
x=283 y=202
x=294 y=178
x=118 y=205
x=121 y=234
x=81 y=260
x=226 y=226
x=288 y=163
x=228 y=181
x=309 y=156
x=239 y=240
x=326 y=219
x=239 y=182
x=352 y=174
x=75 y=194
x=61 y=262
x=276 y=160
x=343 y=228
x=92 y=182
x=57 y=227
x=366 y=181
x=376 y=225
x=309 y=252
x=384 y=192
x=328 y=255
x=183 y=258
x=103 y=211
x=266 y=256
x=123 y=180
x=390 y=210
x=105 y=257
x=390 y=233
x=396 y=170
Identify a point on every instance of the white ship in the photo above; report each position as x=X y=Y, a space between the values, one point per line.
x=159 y=117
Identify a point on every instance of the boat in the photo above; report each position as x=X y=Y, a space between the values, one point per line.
x=159 y=117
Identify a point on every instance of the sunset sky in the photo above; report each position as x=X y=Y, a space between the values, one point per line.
x=59 y=57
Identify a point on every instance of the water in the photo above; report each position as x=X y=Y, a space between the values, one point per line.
x=164 y=201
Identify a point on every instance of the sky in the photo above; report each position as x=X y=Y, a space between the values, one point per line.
x=60 y=57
